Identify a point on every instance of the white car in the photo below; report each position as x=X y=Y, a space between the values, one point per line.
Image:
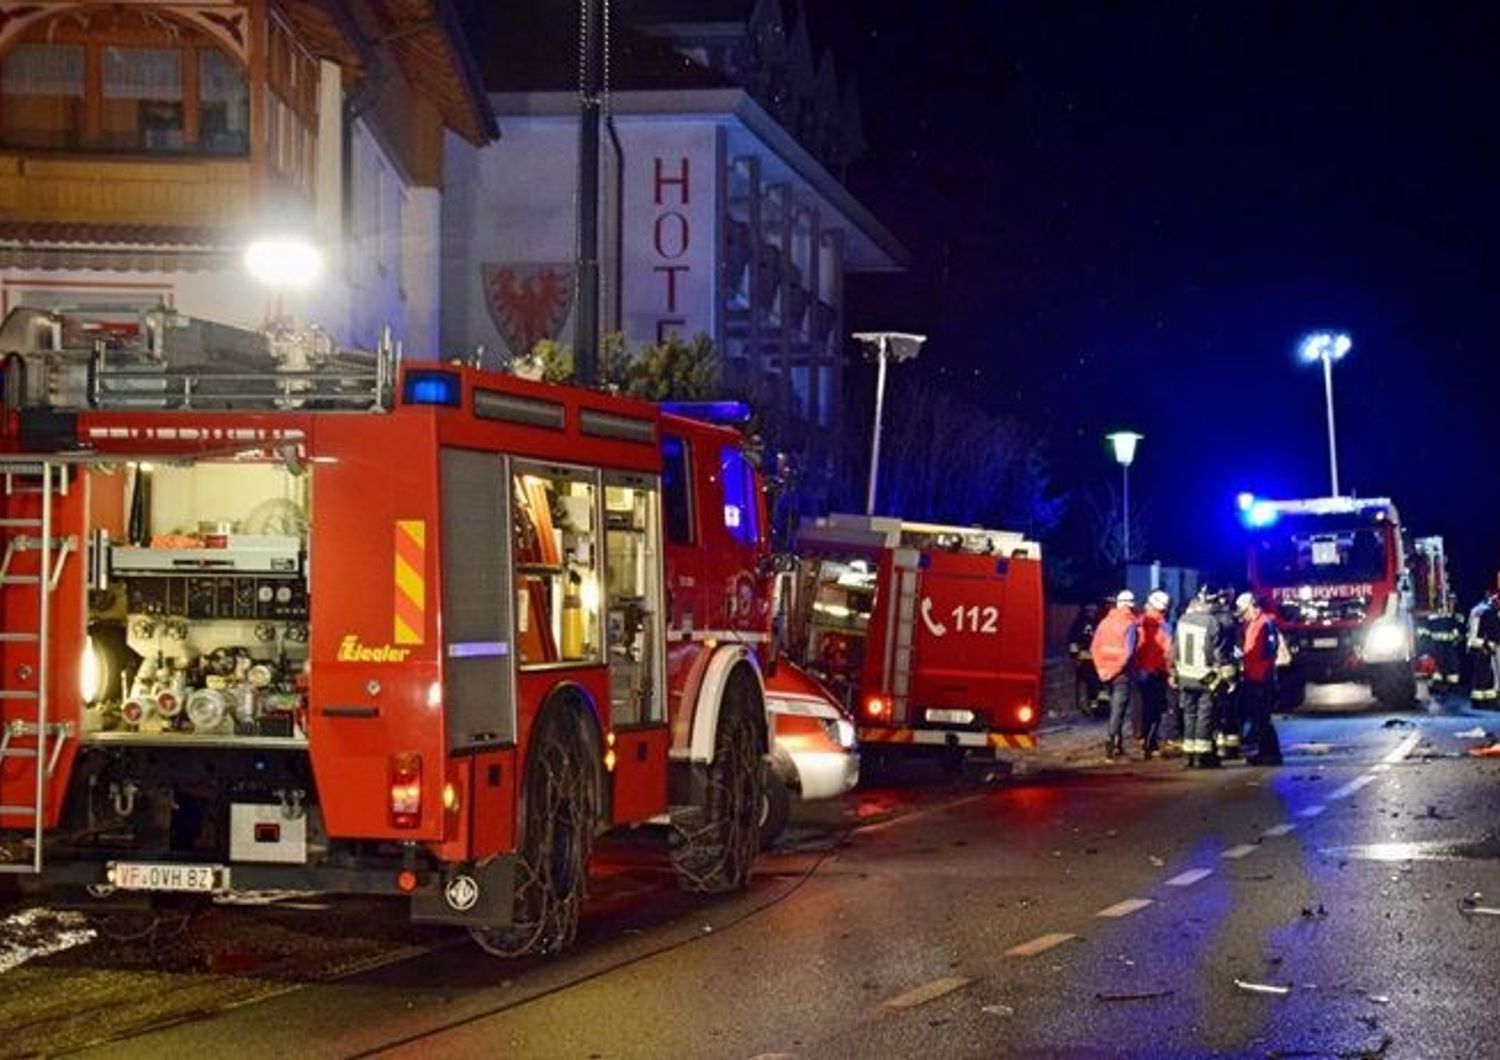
x=813 y=749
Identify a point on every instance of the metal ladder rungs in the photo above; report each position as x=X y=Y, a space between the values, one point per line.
x=18 y=811
x=21 y=579
x=19 y=638
x=17 y=752
x=11 y=694
x=31 y=523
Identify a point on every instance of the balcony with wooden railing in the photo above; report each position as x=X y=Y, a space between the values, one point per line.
x=46 y=187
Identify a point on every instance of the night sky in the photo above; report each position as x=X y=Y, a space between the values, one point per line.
x=1125 y=215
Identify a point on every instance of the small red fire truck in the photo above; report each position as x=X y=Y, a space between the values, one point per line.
x=278 y=614
x=931 y=634
x=1336 y=571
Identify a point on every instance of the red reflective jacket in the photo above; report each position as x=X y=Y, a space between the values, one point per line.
x=1259 y=648
x=1114 y=643
x=1155 y=647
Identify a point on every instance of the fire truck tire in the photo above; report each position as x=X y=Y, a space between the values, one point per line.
x=1394 y=686
x=714 y=845
x=559 y=819
x=777 y=810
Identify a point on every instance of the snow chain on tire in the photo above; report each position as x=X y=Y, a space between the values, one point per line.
x=557 y=840
x=714 y=845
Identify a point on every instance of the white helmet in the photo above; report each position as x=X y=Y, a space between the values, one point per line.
x=1243 y=603
x=1125 y=598
x=1159 y=601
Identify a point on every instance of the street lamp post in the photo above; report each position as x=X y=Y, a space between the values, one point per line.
x=886 y=346
x=1124 y=443
x=1328 y=346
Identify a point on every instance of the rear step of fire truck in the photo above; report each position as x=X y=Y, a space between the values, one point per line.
x=26 y=729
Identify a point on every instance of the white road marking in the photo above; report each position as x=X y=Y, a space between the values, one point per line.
x=920 y=995
x=1039 y=945
x=1383 y=767
x=1403 y=749
x=1235 y=853
x=1311 y=811
x=1278 y=830
x=1353 y=786
x=1188 y=878
x=1125 y=908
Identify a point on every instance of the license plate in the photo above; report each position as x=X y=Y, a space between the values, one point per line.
x=1325 y=642
x=145 y=876
x=950 y=717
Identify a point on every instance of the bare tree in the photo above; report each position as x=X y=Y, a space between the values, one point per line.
x=946 y=460
x=1106 y=521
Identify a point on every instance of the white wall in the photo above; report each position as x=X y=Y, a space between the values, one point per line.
x=511 y=203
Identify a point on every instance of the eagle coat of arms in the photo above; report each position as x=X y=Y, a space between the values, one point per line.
x=528 y=302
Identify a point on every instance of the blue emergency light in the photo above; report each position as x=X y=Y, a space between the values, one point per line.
x=432 y=388
x=731 y=413
x=1256 y=514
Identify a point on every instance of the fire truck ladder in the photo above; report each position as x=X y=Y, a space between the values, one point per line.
x=31 y=533
x=900 y=634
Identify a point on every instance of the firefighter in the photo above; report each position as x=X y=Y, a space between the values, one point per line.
x=1153 y=659
x=1204 y=670
x=1113 y=652
x=1088 y=690
x=1259 y=643
x=1484 y=634
x=1445 y=635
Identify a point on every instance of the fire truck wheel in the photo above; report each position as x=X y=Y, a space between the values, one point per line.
x=1394 y=686
x=777 y=810
x=560 y=814
x=714 y=845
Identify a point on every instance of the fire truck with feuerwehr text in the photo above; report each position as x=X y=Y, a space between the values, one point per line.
x=281 y=615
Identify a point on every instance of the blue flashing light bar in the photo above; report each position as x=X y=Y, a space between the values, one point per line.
x=432 y=388
x=1261 y=514
x=730 y=413
x=1244 y=501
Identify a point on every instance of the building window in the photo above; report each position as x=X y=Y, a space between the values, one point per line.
x=41 y=95
x=223 y=105
x=164 y=92
x=143 y=108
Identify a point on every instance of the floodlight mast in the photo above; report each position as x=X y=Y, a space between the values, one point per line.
x=885 y=345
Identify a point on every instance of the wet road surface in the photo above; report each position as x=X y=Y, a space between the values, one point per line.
x=1323 y=908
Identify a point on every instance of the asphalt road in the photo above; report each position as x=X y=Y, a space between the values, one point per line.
x=1073 y=910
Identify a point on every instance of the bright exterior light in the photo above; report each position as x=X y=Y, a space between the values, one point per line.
x=284 y=262
x=885 y=346
x=1327 y=347
x=1244 y=501
x=1330 y=344
x=1124 y=443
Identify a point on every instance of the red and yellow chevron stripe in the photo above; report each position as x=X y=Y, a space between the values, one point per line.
x=1019 y=741
x=411 y=581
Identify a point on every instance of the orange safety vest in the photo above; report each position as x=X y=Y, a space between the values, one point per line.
x=1259 y=648
x=1111 y=647
x=1155 y=647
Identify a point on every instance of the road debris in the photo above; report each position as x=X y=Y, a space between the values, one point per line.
x=998 y=1010
x=1137 y=995
x=1262 y=988
x=1492 y=751
x=1469 y=906
x=1309 y=912
x=1476 y=733
x=1433 y=814
x=1311 y=748
x=1398 y=723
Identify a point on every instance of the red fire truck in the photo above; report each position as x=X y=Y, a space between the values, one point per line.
x=282 y=615
x=1336 y=571
x=931 y=634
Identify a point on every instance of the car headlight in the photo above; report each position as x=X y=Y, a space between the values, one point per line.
x=840 y=731
x=1385 y=641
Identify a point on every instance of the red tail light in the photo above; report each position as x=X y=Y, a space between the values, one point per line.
x=877 y=706
x=1025 y=714
x=406 y=790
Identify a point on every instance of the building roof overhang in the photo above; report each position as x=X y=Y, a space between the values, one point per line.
x=751 y=131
